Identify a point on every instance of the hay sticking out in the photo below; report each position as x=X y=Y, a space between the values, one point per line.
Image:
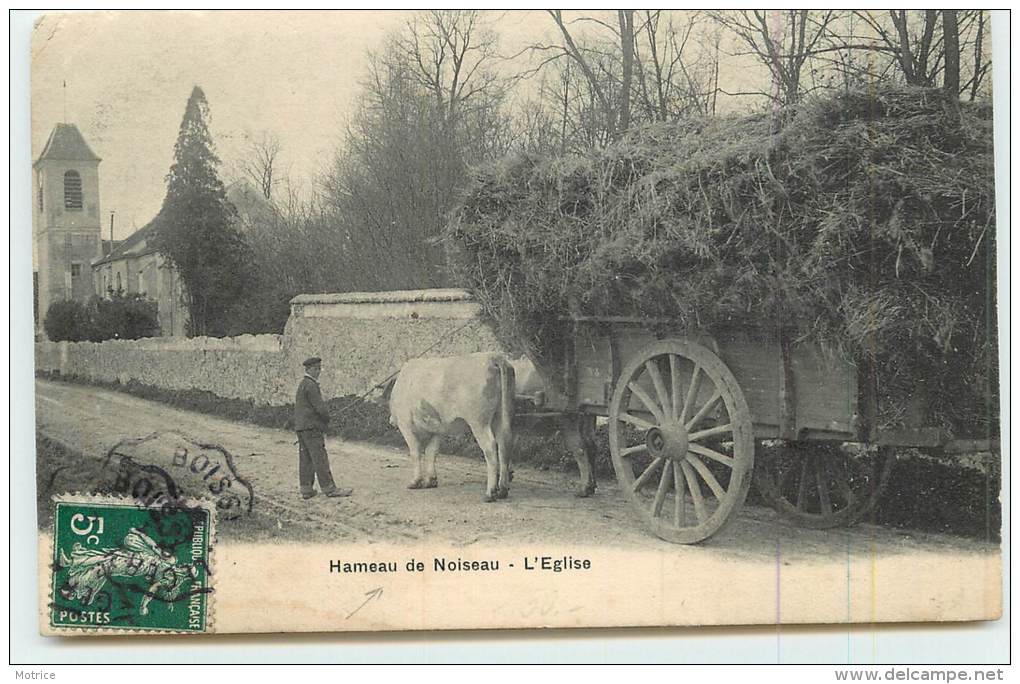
x=865 y=221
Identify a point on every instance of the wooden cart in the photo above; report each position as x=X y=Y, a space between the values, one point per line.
x=685 y=413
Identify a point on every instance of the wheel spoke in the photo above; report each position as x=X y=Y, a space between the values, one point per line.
x=802 y=486
x=647 y=474
x=823 y=487
x=692 y=393
x=635 y=421
x=710 y=432
x=679 y=513
x=674 y=379
x=703 y=411
x=630 y=451
x=692 y=484
x=660 y=389
x=712 y=454
x=708 y=477
x=647 y=401
x=660 y=493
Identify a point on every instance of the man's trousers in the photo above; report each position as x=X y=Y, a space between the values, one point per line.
x=313 y=462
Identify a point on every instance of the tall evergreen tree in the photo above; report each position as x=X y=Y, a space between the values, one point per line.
x=196 y=228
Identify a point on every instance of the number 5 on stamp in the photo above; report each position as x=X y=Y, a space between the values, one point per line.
x=121 y=566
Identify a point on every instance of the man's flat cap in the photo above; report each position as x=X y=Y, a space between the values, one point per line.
x=312 y=361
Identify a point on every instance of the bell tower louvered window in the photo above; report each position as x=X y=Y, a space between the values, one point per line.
x=72 y=191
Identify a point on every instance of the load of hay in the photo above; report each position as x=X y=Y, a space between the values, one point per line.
x=865 y=222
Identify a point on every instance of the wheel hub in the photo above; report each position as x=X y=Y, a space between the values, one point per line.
x=670 y=442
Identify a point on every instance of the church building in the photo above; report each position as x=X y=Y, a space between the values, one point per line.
x=66 y=217
x=133 y=266
x=74 y=262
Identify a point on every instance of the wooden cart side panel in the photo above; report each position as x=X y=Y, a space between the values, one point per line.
x=755 y=366
x=815 y=396
x=758 y=368
x=824 y=396
x=826 y=391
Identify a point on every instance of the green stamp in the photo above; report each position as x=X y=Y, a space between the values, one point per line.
x=118 y=565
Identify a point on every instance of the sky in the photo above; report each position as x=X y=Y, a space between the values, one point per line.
x=124 y=78
x=129 y=75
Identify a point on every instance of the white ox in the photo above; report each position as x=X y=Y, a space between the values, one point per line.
x=438 y=396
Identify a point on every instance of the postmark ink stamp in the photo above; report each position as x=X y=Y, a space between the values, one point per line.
x=167 y=464
x=120 y=565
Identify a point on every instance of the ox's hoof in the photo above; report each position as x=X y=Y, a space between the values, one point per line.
x=416 y=484
x=489 y=497
x=502 y=493
x=585 y=492
x=432 y=483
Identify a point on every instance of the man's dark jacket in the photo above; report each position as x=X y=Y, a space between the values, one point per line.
x=309 y=410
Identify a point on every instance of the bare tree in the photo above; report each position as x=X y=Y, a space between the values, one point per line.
x=929 y=45
x=782 y=40
x=918 y=53
x=577 y=105
x=261 y=165
x=674 y=78
x=593 y=64
x=980 y=65
x=605 y=65
x=535 y=127
x=431 y=107
x=626 y=21
x=609 y=72
x=951 y=37
x=453 y=56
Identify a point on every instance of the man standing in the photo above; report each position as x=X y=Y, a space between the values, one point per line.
x=310 y=422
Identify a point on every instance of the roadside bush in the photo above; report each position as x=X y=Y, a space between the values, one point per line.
x=67 y=321
x=125 y=317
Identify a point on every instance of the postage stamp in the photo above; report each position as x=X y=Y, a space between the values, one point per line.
x=121 y=565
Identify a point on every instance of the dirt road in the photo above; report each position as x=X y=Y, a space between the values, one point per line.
x=541 y=507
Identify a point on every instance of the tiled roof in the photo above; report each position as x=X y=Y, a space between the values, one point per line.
x=125 y=245
x=67 y=144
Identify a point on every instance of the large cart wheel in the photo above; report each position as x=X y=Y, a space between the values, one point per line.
x=821 y=485
x=681 y=438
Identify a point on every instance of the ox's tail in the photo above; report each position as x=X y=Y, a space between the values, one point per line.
x=503 y=423
x=507 y=390
x=385 y=389
x=387 y=386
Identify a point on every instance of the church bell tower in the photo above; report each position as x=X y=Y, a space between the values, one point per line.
x=66 y=217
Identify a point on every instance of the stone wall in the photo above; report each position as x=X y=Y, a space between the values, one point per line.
x=361 y=337
x=246 y=367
